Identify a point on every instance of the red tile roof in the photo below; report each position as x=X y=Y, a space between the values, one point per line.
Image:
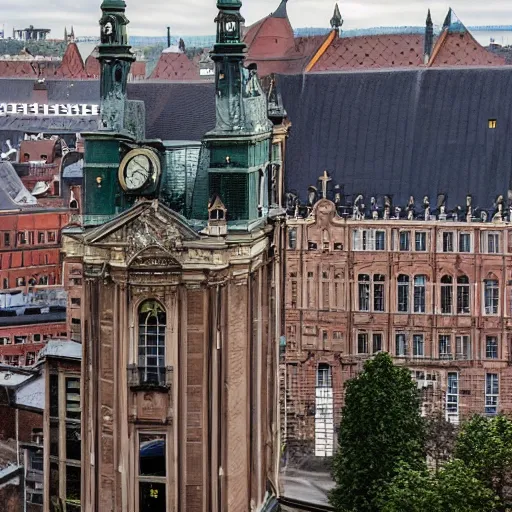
x=461 y=49
x=367 y=52
x=72 y=64
x=138 y=70
x=174 y=66
x=92 y=66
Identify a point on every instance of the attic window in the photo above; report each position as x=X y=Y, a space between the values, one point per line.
x=492 y=124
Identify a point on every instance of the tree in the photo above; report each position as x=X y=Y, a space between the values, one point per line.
x=381 y=426
x=440 y=436
x=485 y=445
x=454 y=488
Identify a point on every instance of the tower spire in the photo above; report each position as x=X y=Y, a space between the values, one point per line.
x=337 y=20
x=429 y=38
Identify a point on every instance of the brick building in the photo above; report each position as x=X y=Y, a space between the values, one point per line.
x=403 y=246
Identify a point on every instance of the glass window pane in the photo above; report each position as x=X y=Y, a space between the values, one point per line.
x=72 y=488
x=152 y=451
x=152 y=497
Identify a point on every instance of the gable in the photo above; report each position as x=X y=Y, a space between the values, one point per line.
x=149 y=227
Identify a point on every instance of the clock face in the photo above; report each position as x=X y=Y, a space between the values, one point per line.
x=230 y=26
x=138 y=172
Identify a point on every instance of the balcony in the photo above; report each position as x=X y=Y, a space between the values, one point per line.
x=141 y=378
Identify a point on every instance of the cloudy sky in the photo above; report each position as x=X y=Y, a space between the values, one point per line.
x=195 y=17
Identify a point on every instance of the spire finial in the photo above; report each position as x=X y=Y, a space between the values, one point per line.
x=337 y=20
x=429 y=18
x=448 y=19
x=281 y=10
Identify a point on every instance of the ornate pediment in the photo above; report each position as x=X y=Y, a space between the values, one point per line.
x=148 y=232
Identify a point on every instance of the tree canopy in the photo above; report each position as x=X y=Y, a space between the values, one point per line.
x=381 y=427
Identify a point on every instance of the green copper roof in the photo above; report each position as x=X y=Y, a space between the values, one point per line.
x=113 y=4
x=229 y=4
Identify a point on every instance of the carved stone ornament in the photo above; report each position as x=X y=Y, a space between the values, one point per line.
x=150 y=231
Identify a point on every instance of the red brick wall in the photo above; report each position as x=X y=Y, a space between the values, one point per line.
x=27 y=421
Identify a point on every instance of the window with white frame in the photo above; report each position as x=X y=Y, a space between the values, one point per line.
x=151 y=349
x=405 y=241
x=491 y=242
x=403 y=293
x=448 y=241
x=463 y=347
x=418 y=345
x=465 y=242
x=452 y=398
x=377 y=342
x=401 y=345
x=362 y=343
x=364 y=292
x=463 y=296
x=491 y=347
x=420 y=241
x=491 y=296
x=445 y=346
x=447 y=295
x=420 y=293
x=152 y=472
x=369 y=240
x=371 y=292
x=492 y=391
x=324 y=376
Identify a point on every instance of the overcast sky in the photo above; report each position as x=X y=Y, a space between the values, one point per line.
x=195 y=17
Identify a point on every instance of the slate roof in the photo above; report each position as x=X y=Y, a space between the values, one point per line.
x=176 y=110
x=402 y=132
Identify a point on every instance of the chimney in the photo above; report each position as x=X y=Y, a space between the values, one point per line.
x=168 y=37
x=429 y=38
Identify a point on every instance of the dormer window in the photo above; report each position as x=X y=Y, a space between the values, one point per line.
x=217 y=214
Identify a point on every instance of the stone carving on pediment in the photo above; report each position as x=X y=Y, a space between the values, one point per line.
x=325 y=212
x=148 y=231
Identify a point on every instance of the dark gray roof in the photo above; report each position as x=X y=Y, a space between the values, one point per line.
x=176 y=110
x=46 y=318
x=402 y=133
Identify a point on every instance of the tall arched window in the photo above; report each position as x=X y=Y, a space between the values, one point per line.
x=463 y=295
x=447 y=295
x=403 y=293
x=151 y=356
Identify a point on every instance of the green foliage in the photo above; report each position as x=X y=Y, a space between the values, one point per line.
x=440 y=436
x=455 y=488
x=485 y=445
x=44 y=48
x=380 y=427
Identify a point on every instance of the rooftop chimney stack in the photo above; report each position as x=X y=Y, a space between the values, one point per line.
x=429 y=38
x=168 y=37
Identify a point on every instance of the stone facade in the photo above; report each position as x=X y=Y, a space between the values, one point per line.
x=434 y=294
x=215 y=408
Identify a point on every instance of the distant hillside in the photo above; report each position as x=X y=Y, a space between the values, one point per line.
x=45 y=48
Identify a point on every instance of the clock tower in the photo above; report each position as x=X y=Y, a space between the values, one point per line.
x=121 y=125
x=240 y=144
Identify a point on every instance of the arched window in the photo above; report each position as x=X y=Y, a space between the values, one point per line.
x=447 y=295
x=463 y=296
x=151 y=356
x=491 y=295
